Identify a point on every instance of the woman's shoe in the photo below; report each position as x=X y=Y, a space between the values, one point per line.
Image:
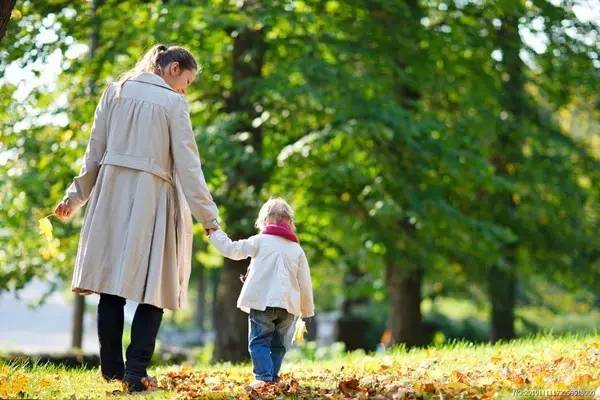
x=113 y=378
x=144 y=384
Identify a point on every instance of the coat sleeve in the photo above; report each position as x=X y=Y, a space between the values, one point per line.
x=188 y=167
x=306 y=292
x=236 y=250
x=78 y=193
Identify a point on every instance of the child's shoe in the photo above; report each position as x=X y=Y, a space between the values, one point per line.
x=257 y=384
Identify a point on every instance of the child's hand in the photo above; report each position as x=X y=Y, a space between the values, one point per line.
x=63 y=210
x=244 y=276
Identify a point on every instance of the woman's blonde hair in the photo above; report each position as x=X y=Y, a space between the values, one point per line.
x=275 y=210
x=158 y=58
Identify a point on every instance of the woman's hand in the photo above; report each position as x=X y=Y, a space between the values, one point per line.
x=63 y=210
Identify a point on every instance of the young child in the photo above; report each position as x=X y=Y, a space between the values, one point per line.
x=277 y=287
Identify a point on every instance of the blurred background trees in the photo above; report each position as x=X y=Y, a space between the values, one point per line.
x=441 y=156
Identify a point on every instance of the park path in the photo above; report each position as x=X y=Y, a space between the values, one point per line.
x=46 y=328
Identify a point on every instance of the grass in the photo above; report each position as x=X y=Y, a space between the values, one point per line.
x=451 y=370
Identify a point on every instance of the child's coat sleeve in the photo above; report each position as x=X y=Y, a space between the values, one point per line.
x=236 y=250
x=306 y=292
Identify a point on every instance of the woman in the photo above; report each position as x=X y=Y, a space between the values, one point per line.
x=143 y=178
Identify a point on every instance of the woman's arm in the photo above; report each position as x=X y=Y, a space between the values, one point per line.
x=80 y=190
x=188 y=167
x=236 y=250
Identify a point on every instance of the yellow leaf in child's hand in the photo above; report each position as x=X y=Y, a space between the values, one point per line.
x=300 y=331
x=45 y=227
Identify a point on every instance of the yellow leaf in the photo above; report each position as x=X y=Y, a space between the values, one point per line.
x=495 y=358
x=582 y=379
x=46 y=227
x=518 y=378
x=425 y=387
x=16 y=15
x=458 y=376
x=299 y=331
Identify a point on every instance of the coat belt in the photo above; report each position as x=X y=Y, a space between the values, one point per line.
x=146 y=164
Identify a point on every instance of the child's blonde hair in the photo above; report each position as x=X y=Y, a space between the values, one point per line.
x=275 y=210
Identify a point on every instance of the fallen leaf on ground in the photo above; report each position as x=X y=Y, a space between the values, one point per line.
x=349 y=387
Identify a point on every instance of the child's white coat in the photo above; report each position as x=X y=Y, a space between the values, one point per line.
x=279 y=275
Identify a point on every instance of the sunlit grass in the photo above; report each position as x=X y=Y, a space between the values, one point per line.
x=474 y=370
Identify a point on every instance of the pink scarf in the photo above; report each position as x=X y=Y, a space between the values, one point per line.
x=282 y=230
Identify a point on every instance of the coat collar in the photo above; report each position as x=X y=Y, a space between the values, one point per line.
x=152 y=79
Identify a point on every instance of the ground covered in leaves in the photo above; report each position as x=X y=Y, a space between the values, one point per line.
x=541 y=367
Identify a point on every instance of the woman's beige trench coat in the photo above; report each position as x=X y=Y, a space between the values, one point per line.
x=143 y=178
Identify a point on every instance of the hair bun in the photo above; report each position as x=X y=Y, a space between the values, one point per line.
x=161 y=48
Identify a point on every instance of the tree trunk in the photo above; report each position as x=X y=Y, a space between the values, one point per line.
x=403 y=284
x=200 y=315
x=79 y=305
x=231 y=323
x=502 y=296
x=247 y=60
x=6 y=8
x=77 y=322
x=502 y=280
x=404 y=292
x=352 y=329
x=214 y=297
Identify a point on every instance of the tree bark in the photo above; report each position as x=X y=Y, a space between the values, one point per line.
x=404 y=291
x=214 y=298
x=77 y=322
x=502 y=296
x=200 y=315
x=231 y=324
x=352 y=329
x=79 y=305
x=404 y=284
x=6 y=8
x=503 y=280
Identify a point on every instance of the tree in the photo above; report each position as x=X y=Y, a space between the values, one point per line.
x=383 y=159
x=5 y=14
x=419 y=141
x=539 y=160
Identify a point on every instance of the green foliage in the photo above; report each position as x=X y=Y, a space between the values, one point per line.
x=394 y=128
x=310 y=351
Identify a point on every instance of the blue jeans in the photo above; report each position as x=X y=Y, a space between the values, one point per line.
x=269 y=336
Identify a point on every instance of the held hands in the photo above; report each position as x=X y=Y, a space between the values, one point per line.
x=63 y=210
x=209 y=231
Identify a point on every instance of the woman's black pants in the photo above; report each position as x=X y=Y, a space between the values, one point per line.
x=144 y=329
